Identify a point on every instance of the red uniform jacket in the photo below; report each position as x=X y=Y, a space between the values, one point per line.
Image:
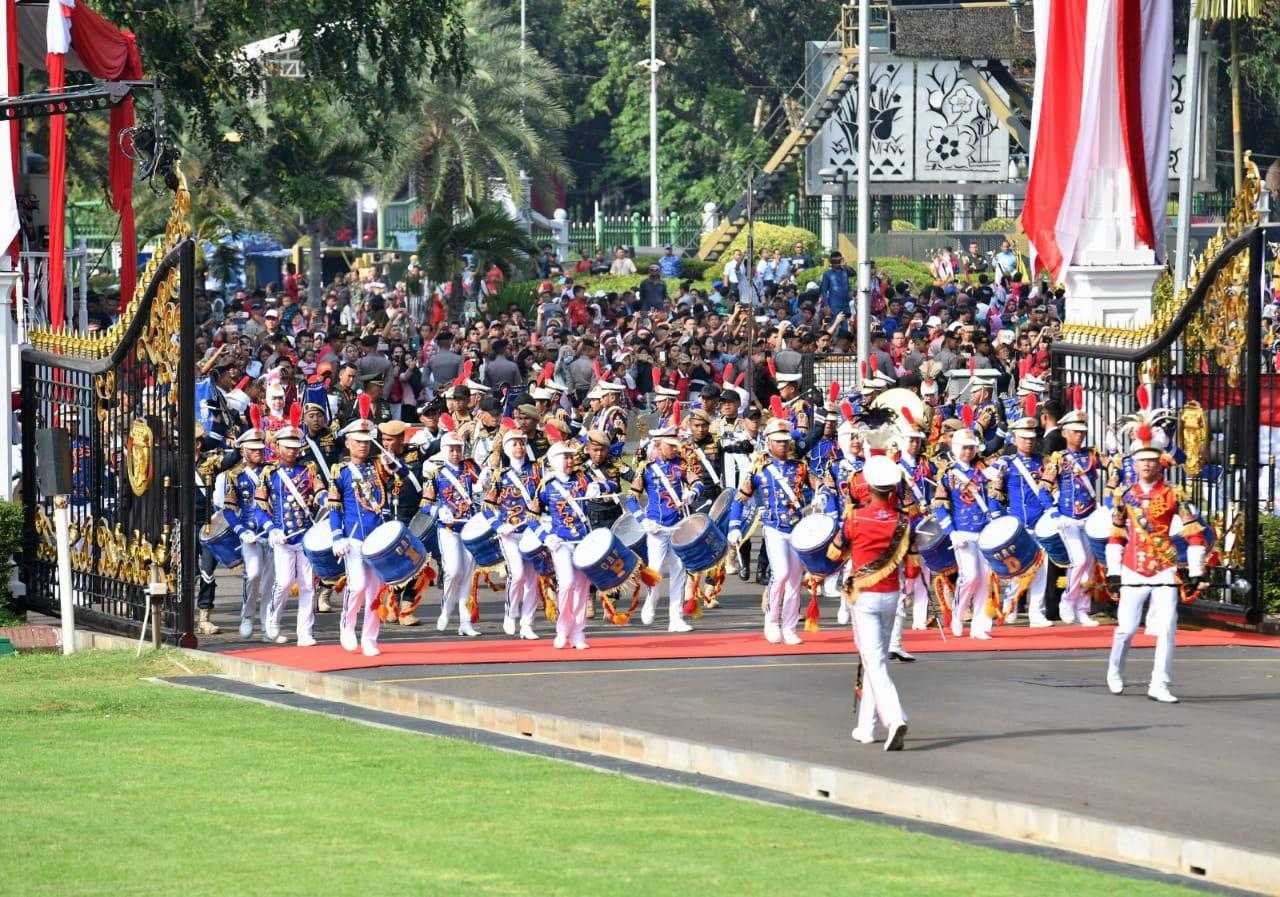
x=875 y=535
x=1140 y=522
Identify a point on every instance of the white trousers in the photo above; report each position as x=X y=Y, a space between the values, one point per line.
x=668 y=566
x=456 y=565
x=1035 y=594
x=258 y=578
x=973 y=586
x=784 y=579
x=522 y=581
x=1075 y=597
x=571 y=593
x=1162 y=620
x=363 y=585
x=916 y=592
x=873 y=619
x=292 y=566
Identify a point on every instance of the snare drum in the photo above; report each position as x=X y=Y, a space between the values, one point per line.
x=1180 y=544
x=1097 y=531
x=534 y=553
x=394 y=553
x=933 y=544
x=720 y=509
x=631 y=534
x=1048 y=534
x=480 y=536
x=424 y=526
x=317 y=545
x=222 y=542
x=819 y=544
x=1007 y=546
x=604 y=560
x=699 y=543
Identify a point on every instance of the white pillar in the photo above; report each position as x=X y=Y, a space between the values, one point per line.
x=560 y=224
x=864 y=181
x=654 y=65
x=1190 y=152
x=828 y=223
x=62 y=536
x=710 y=217
x=9 y=346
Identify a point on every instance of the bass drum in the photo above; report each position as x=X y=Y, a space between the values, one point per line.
x=720 y=509
x=423 y=525
x=631 y=534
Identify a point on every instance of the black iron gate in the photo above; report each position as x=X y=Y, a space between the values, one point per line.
x=1202 y=358
x=125 y=398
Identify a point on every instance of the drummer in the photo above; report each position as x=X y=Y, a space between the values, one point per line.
x=611 y=419
x=1020 y=489
x=287 y=497
x=963 y=500
x=919 y=476
x=561 y=495
x=452 y=486
x=607 y=472
x=405 y=462
x=1070 y=474
x=702 y=455
x=783 y=483
x=512 y=496
x=239 y=488
x=879 y=534
x=357 y=506
x=836 y=479
x=672 y=488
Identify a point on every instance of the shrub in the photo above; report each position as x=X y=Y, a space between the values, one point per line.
x=999 y=226
x=773 y=236
x=10 y=545
x=902 y=226
x=522 y=295
x=899 y=269
x=1270 y=572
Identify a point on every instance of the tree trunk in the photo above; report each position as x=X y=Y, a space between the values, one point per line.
x=455 y=302
x=315 y=267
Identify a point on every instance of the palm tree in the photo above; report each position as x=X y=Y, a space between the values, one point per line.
x=488 y=232
x=503 y=118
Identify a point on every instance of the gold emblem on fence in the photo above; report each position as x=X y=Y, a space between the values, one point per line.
x=1193 y=436
x=139 y=446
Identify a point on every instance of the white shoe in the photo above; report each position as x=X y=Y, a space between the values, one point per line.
x=789 y=636
x=370 y=650
x=306 y=641
x=957 y=627
x=1087 y=621
x=842 y=614
x=1162 y=694
x=897 y=735
x=526 y=632
x=246 y=628
x=347 y=638
x=772 y=633
x=560 y=641
x=1011 y=619
x=269 y=635
x=1115 y=684
x=465 y=628
x=863 y=737
x=678 y=625
x=1041 y=623
x=509 y=625
x=980 y=635
x=915 y=628
x=442 y=622
x=1066 y=617
x=580 y=643
x=646 y=612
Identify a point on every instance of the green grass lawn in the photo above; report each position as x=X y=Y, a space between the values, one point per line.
x=116 y=786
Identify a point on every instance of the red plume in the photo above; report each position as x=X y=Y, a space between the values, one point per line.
x=773 y=368
x=547 y=372
x=255 y=416
x=463 y=375
x=1144 y=396
x=508 y=423
x=553 y=433
x=871 y=364
x=1029 y=404
x=834 y=392
x=742 y=378
x=846 y=410
x=446 y=422
x=908 y=416
x=728 y=373
x=1077 y=397
x=675 y=413
x=366 y=406
x=775 y=406
x=862 y=371
x=966 y=415
x=1144 y=433
x=598 y=369
x=295 y=414
x=973 y=365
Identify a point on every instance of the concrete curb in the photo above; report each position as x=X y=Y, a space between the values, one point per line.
x=1165 y=852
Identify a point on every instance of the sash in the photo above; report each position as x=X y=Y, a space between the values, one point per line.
x=965 y=481
x=911 y=480
x=453 y=480
x=708 y=466
x=516 y=481
x=666 y=484
x=1083 y=476
x=293 y=490
x=782 y=484
x=573 y=502
x=320 y=462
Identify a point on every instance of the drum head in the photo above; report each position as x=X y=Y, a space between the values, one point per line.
x=318 y=538
x=627 y=529
x=812 y=532
x=383 y=537
x=1000 y=531
x=529 y=541
x=1048 y=525
x=476 y=527
x=590 y=550
x=214 y=528
x=720 y=506
x=421 y=524
x=690 y=529
x=1098 y=524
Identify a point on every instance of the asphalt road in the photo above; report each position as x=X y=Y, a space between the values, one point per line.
x=1036 y=727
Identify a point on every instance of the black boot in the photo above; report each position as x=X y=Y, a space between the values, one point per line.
x=762 y=568
x=744 y=568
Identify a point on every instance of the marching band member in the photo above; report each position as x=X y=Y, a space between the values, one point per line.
x=608 y=474
x=611 y=419
x=988 y=417
x=406 y=496
x=454 y=487
x=512 y=494
x=1020 y=489
x=486 y=436
x=239 y=494
x=918 y=476
x=1070 y=473
x=672 y=488
x=1142 y=562
x=783 y=483
x=797 y=409
x=358 y=495
x=286 y=498
x=962 y=499
x=561 y=495
x=836 y=478
x=879 y=536
x=702 y=456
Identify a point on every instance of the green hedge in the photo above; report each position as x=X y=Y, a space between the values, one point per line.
x=10 y=545
x=772 y=236
x=999 y=226
x=1270 y=572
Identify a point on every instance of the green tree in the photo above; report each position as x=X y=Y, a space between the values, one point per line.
x=504 y=117
x=487 y=231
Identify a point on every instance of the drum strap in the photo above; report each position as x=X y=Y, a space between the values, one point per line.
x=782 y=484
x=708 y=466
x=516 y=481
x=448 y=475
x=911 y=480
x=666 y=484
x=293 y=489
x=573 y=502
x=320 y=463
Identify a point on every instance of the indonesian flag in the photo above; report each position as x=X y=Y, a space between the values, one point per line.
x=9 y=223
x=1102 y=96
x=57 y=35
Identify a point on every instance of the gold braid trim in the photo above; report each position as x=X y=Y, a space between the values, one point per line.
x=861 y=579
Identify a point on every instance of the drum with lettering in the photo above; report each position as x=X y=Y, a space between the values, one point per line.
x=1097 y=530
x=317 y=545
x=933 y=544
x=480 y=536
x=819 y=544
x=394 y=553
x=604 y=560
x=222 y=542
x=535 y=553
x=699 y=543
x=1007 y=546
x=1048 y=532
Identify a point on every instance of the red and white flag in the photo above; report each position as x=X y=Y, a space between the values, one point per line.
x=1102 y=102
x=9 y=137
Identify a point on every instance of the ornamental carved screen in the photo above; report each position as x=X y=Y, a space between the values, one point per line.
x=124 y=398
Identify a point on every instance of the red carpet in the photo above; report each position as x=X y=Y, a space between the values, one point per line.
x=833 y=640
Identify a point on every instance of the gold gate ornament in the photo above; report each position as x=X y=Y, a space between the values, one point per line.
x=140 y=444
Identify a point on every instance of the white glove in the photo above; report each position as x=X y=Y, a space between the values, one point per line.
x=687 y=499
x=735 y=537
x=276 y=538
x=553 y=542
x=429 y=470
x=506 y=529
x=341 y=547
x=593 y=490
x=650 y=526
x=445 y=516
x=248 y=537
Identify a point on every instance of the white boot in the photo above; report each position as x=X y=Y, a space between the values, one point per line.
x=772 y=632
x=509 y=625
x=789 y=637
x=246 y=627
x=465 y=628
x=647 y=609
x=526 y=632
x=442 y=622
x=347 y=638
x=678 y=624
x=842 y=614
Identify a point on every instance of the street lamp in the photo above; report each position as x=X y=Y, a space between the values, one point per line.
x=833 y=175
x=369 y=204
x=651 y=65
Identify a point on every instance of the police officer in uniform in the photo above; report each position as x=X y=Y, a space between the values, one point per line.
x=609 y=474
